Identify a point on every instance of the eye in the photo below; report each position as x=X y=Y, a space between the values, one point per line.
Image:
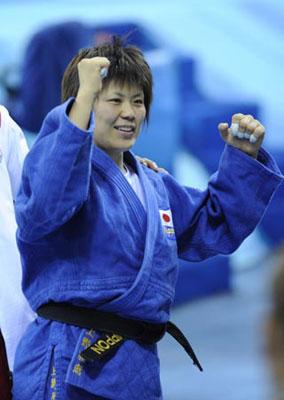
x=115 y=100
x=139 y=101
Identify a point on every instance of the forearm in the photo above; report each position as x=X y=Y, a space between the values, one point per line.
x=81 y=109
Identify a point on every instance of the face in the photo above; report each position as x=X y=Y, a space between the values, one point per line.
x=119 y=113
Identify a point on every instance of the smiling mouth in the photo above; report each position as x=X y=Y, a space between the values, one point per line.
x=125 y=128
x=125 y=131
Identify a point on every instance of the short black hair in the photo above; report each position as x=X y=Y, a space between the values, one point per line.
x=127 y=66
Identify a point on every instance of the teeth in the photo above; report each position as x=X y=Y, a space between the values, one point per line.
x=125 y=128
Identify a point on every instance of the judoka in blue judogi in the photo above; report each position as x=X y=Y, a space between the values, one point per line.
x=100 y=231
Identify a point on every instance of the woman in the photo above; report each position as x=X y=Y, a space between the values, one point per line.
x=99 y=234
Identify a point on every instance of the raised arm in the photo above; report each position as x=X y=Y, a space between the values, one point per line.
x=217 y=220
x=90 y=78
x=56 y=171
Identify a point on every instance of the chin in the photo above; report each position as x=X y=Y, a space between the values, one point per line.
x=127 y=146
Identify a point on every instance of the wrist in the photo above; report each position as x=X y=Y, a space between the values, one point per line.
x=86 y=97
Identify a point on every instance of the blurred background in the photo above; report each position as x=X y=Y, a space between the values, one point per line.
x=210 y=59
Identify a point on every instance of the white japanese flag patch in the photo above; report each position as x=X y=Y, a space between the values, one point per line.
x=167 y=223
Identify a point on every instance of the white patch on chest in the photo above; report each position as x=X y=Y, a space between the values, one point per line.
x=167 y=223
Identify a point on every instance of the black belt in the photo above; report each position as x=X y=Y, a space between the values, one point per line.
x=89 y=318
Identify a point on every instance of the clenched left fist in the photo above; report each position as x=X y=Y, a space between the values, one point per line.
x=245 y=133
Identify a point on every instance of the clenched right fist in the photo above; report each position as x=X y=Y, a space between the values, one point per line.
x=90 y=84
x=90 y=78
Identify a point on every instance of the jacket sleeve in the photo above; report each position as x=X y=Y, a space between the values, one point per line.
x=217 y=220
x=56 y=176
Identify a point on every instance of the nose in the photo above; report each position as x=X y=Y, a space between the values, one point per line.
x=127 y=111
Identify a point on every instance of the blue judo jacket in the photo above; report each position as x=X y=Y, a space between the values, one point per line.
x=86 y=239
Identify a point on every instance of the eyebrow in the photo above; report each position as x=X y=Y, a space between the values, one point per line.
x=139 y=94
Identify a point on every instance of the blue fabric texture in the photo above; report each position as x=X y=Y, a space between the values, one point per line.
x=85 y=238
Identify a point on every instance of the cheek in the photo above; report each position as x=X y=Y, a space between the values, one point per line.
x=104 y=121
x=104 y=114
x=141 y=116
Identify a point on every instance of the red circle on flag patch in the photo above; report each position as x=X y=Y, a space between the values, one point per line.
x=166 y=218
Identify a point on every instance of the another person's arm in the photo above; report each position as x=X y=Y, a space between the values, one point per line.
x=17 y=151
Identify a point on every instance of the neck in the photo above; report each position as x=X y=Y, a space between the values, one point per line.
x=117 y=157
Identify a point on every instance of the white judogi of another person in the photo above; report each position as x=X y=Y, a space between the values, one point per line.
x=15 y=313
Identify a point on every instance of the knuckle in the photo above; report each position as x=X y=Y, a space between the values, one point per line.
x=236 y=117
x=260 y=130
x=252 y=126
